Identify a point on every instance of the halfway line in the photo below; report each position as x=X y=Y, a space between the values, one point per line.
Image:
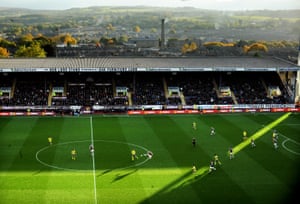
x=93 y=158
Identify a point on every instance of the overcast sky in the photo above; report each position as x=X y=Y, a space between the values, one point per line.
x=205 y=4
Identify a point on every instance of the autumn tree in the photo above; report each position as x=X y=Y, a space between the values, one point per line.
x=137 y=29
x=4 y=52
x=34 y=50
x=104 y=40
x=26 y=39
x=46 y=43
x=218 y=44
x=108 y=41
x=43 y=40
x=111 y=41
x=7 y=44
x=69 y=40
x=66 y=39
x=255 y=47
x=189 y=47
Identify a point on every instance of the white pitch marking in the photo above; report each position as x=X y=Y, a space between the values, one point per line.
x=286 y=140
x=85 y=141
x=93 y=158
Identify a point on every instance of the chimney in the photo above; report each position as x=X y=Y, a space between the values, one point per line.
x=162 y=43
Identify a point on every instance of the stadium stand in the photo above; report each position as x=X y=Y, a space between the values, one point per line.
x=140 y=83
x=197 y=88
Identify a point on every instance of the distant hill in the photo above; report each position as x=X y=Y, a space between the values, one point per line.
x=185 y=22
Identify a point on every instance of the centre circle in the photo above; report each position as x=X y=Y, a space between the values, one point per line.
x=108 y=155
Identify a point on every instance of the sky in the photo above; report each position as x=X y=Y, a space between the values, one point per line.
x=204 y=4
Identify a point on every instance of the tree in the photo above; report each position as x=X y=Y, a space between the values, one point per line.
x=189 y=47
x=255 y=47
x=218 y=44
x=104 y=40
x=185 y=48
x=108 y=41
x=3 y=52
x=43 y=40
x=34 y=50
x=66 y=39
x=193 y=46
x=153 y=30
x=110 y=27
x=69 y=40
x=7 y=44
x=137 y=29
x=172 y=31
x=47 y=44
x=241 y=43
x=123 y=38
x=26 y=39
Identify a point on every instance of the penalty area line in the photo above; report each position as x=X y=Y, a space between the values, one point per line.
x=93 y=159
x=286 y=147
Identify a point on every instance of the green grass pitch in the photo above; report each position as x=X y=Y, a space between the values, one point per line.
x=32 y=171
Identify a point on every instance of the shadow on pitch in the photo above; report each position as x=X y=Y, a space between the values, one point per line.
x=105 y=172
x=120 y=176
x=185 y=181
x=37 y=172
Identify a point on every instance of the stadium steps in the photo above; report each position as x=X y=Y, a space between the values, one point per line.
x=50 y=95
x=165 y=88
x=265 y=86
x=285 y=80
x=233 y=98
x=65 y=88
x=219 y=95
x=13 y=88
x=216 y=87
x=129 y=96
x=182 y=99
x=297 y=87
x=114 y=88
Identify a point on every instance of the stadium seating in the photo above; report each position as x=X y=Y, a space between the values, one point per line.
x=88 y=89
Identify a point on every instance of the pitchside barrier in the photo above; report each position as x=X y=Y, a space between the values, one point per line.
x=148 y=112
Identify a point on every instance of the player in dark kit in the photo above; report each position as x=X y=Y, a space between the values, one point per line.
x=212 y=166
x=231 y=156
x=194 y=142
x=92 y=150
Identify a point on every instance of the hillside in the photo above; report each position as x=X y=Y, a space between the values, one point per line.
x=182 y=23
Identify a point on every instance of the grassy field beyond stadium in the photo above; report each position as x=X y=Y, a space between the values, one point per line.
x=31 y=171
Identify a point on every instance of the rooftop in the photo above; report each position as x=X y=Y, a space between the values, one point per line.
x=146 y=64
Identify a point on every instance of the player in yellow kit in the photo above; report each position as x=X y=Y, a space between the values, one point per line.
x=50 y=140
x=244 y=135
x=73 y=154
x=275 y=135
x=194 y=125
x=194 y=169
x=133 y=155
x=216 y=160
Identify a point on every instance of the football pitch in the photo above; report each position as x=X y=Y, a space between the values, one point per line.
x=33 y=171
